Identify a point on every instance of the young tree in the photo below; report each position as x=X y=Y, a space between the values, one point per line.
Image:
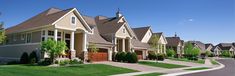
x=154 y=42
x=191 y=52
x=54 y=48
x=2 y=33
x=170 y=53
x=93 y=49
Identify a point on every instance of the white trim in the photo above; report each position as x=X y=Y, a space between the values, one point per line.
x=20 y=44
x=22 y=36
x=79 y=15
x=33 y=29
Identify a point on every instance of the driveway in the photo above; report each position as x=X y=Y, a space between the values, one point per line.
x=133 y=66
x=228 y=70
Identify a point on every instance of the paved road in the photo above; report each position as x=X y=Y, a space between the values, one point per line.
x=228 y=70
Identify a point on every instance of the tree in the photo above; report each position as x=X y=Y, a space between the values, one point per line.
x=154 y=43
x=170 y=53
x=2 y=33
x=208 y=53
x=225 y=53
x=93 y=49
x=191 y=52
x=54 y=48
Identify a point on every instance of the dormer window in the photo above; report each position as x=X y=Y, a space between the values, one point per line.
x=73 y=20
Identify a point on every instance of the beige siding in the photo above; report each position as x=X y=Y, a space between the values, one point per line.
x=15 y=51
x=66 y=22
x=162 y=40
x=147 y=36
x=120 y=33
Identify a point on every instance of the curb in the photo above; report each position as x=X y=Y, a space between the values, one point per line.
x=197 y=71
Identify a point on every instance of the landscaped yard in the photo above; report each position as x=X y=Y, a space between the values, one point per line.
x=150 y=74
x=79 y=70
x=200 y=61
x=199 y=68
x=162 y=65
x=214 y=62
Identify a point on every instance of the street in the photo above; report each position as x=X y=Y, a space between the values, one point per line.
x=228 y=70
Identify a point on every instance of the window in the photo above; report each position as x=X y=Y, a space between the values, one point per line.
x=73 y=20
x=23 y=36
x=124 y=30
x=50 y=33
x=29 y=38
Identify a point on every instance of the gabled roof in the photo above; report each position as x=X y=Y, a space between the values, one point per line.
x=215 y=48
x=173 y=41
x=208 y=45
x=95 y=37
x=199 y=44
x=139 y=45
x=159 y=34
x=45 y=18
x=225 y=46
x=140 y=32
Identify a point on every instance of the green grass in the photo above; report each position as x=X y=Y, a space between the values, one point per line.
x=151 y=74
x=200 y=61
x=214 y=62
x=200 y=68
x=162 y=65
x=79 y=70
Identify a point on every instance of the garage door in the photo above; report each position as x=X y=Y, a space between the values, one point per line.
x=101 y=55
x=139 y=54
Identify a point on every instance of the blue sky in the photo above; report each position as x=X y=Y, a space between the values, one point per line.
x=209 y=21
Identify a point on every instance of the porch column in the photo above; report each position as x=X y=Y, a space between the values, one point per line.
x=129 y=43
x=84 y=46
x=164 y=48
x=110 y=52
x=55 y=34
x=123 y=45
x=46 y=34
x=161 y=49
x=72 y=45
x=115 y=45
x=158 y=48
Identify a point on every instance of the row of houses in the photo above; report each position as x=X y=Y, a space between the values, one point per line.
x=215 y=49
x=109 y=34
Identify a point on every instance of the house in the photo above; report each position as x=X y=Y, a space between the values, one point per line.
x=117 y=31
x=161 y=47
x=199 y=45
x=208 y=47
x=54 y=23
x=143 y=34
x=176 y=44
x=227 y=46
x=108 y=34
x=216 y=50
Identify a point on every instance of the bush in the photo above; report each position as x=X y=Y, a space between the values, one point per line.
x=64 y=62
x=225 y=53
x=171 y=53
x=45 y=62
x=134 y=58
x=33 y=58
x=160 y=57
x=118 y=57
x=152 y=56
x=76 y=61
x=123 y=56
x=24 y=59
x=13 y=62
x=128 y=57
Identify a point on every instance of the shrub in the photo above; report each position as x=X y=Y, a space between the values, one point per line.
x=123 y=56
x=45 y=62
x=160 y=57
x=225 y=53
x=13 y=62
x=134 y=58
x=128 y=57
x=152 y=56
x=170 y=53
x=24 y=59
x=64 y=62
x=75 y=61
x=208 y=53
x=33 y=58
x=118 y=57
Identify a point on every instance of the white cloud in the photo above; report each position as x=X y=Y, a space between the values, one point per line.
x=191 y=20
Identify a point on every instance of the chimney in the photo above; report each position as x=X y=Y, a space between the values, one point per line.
x=118 y=14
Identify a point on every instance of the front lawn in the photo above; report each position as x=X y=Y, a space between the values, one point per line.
x=79 y=70
x=150 y=74
x=199 y=68
x=214 y=62
x=161 y=65
x=200 y=61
